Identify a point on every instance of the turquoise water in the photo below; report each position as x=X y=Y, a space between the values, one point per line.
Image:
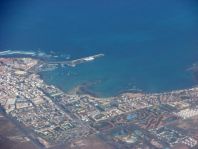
x=147 y=44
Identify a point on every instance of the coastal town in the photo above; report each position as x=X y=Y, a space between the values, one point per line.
x=50 y=117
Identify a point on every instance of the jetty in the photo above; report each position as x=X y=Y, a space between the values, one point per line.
x=75 y=62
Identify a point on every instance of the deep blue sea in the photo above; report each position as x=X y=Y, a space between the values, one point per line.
x=148 y=45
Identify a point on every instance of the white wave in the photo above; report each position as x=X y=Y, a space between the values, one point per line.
x=27 y=53
x=12 y=52
x=38 y=53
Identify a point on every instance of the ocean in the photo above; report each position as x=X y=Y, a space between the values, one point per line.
x=148 y=45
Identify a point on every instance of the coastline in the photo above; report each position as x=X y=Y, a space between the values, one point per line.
x=85 y=88
x=54 y=117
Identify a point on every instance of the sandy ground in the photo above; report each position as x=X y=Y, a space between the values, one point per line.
x=11 y=137
x=88 y=143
